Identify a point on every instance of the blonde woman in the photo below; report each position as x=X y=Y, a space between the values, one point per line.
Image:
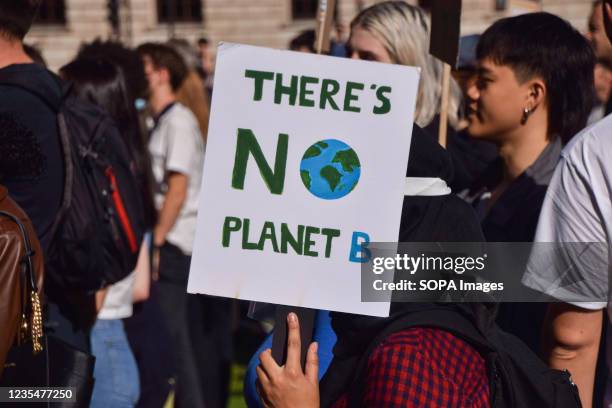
x=397 y=33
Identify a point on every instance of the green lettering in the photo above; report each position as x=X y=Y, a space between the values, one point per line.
x=230 y=224
x=327 y=93
x=287 y=238
x=350 y=97
x=280 y=89
x=259 y=77
x=308 y=243
x=268 y=233
x=330 y=233
x=385 y=106
x=247 y=144
x=245 y=236
x=304 y=92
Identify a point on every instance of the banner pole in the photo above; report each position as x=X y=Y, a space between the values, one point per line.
x=305 y=316
x=324 y=19
x=443 y=128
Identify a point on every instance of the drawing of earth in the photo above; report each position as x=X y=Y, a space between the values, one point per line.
x=330 y=169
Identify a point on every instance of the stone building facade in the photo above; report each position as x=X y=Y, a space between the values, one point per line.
x=64 y=24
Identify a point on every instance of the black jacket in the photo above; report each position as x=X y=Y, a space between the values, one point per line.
x=424 y=219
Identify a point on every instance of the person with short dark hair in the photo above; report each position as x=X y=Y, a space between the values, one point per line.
x=177 y=155
x=126 y=58
x=16 y=18
x=303 y=42
x=207 y=60
x=532 y=93
x=31 y=110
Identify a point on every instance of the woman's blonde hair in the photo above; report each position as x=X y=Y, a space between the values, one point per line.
x=404 y=32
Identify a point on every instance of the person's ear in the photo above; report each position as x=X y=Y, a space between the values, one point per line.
x=536 y=94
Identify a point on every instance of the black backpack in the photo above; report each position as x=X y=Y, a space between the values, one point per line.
x=98 y=230
x=517 y=377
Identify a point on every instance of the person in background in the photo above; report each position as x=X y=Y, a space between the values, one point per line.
x=395 y=32
x=30 y=111
x=528 y=99
x=438 y=368
x=338 y=43
x=603 y=86
x=145 y=329
x=191 y=93
x=596 y=35
x=117 y=383
x=126 y=58
x=578 y=209
x=208 y=65
x=177 y=153
x=303 y=42
x=215 y=340
x=396 y=364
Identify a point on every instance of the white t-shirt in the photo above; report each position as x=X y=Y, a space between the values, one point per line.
x=176 y=146
x=118 y=302
x=578 y=209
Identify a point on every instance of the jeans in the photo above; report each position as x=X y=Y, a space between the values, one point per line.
x=117 y=384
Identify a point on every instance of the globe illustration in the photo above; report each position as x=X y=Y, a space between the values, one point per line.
x=330 y=169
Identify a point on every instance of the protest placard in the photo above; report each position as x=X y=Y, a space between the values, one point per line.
x=305 y=164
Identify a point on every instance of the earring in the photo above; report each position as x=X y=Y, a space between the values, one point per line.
x=526 y=113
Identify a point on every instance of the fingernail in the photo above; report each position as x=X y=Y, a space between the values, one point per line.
x=315 y=348
x=292 y=317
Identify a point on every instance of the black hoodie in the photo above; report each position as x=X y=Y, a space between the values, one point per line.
x=424 y=219
x=31 y=164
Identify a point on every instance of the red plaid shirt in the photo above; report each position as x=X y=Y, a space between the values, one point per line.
x=423 y=367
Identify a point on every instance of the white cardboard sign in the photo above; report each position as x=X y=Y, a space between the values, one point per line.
x=305 y=163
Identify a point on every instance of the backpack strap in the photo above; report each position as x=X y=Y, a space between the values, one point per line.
x=64 y=136
x=449 y=319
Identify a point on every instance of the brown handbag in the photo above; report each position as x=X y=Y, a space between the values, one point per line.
x=34 y=360
x=21 y=279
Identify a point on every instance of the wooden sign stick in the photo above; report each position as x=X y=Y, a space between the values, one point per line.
x=444 y=45
x=442 y=131
x=306 y=317
x=324 y=19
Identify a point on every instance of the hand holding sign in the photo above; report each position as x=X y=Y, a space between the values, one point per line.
x=289 y=386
